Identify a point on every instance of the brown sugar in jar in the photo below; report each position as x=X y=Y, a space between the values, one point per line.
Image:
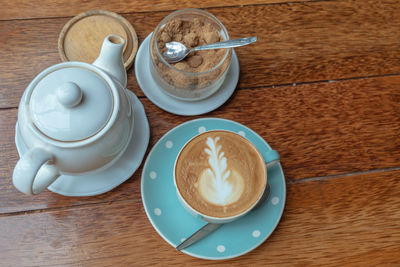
x=202 y=72
x=191 y=34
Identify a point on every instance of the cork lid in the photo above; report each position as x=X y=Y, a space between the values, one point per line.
x=81 y=38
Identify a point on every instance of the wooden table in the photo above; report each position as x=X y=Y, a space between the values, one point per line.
x=322 y=85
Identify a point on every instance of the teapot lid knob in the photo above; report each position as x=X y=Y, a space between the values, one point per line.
x=69 y=94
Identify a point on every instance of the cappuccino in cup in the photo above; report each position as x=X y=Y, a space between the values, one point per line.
x=219 y=175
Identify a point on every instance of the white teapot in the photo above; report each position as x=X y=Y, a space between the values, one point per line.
x=75 y=118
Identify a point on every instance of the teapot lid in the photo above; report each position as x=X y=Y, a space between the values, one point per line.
x=71 y=102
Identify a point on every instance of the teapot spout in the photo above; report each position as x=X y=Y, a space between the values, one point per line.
x=110 y=58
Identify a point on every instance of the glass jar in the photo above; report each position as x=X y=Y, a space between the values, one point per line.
x=188 y=85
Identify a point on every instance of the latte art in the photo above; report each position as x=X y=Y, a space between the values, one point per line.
x=217 y=184
x=220 y=174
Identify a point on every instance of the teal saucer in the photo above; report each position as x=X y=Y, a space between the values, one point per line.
x=170 y=219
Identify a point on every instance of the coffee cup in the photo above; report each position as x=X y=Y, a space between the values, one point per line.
x=220 y=176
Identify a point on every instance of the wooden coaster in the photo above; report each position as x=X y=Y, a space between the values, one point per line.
x=82 y=37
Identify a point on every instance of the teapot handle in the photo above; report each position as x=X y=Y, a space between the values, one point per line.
x=33 y=174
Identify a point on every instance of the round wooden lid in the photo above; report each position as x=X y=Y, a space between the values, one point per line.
x=82 y=37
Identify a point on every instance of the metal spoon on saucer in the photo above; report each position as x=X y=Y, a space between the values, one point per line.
x=177 y=51
x=208 y=228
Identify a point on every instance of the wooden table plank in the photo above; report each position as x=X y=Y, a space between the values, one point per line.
x=319 y=129
x=23 y=9
x=346 y=220
x=298 y=42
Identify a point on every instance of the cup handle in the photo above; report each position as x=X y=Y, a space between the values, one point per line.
x=31 y=174
x=271 y=158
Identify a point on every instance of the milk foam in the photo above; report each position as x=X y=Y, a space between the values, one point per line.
x=219 y=184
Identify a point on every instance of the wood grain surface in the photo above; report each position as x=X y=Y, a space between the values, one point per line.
x=304 y=42
x=321 y=86
x=329 y=221
x=23 y=9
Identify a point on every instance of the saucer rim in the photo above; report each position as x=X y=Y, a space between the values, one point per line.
x=196 y=255
x=234 y=70
x=145 y=128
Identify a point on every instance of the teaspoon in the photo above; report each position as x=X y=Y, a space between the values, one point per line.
x=208 y=228
x=177 y=51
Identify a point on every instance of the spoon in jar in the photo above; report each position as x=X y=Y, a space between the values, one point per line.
x=177 y=51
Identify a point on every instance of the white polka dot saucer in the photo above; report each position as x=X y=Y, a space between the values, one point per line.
x=105 y=180
x=170 y=104
x=170 y=219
